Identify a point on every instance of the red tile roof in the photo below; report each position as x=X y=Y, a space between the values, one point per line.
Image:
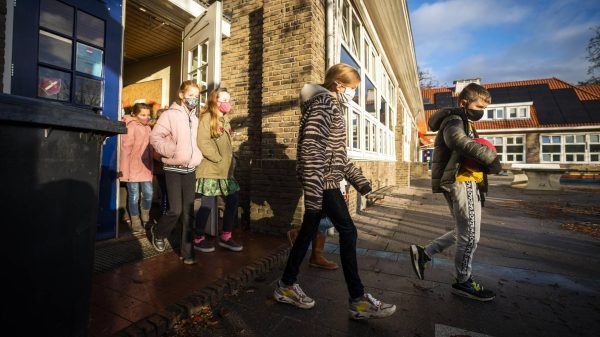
x=588 y=92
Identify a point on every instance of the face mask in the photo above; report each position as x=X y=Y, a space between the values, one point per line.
x=225 y=107
x=191 y=102
x=474 y=115
x=144 y=120
x=347 y=95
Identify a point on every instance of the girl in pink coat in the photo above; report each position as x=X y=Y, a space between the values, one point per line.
x=136 y=165
x=174 y=138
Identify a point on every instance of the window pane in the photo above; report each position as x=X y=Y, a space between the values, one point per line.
x=580 y=138
x=382 y=110
x=55 y=50
x=355 y=129
x=594 y=148
x=569 y=139
x=514 y=148
x=54 y=84
x=370 y=97
x=367 y=135
x=545 y=139
x=519 y=140
x=580 y=157
x=344 y=23
x=595 y=157
x=90 y=29
x=374 y=135
x=569 y=157
x=490 y=114
x=556 y=157
x=519 y=157
x=546 y=157
x=88 y=91
x=56 y=16
x=346 y=58
x=513 y=112
x=89 y=60
x=594 y=138
x=575 y=148
x=355 y=35
x=204 y=48
x=194 y=58
x=555 y=139
x=551 y=148
x=510 y=140
x=499 y=113
x=522 y=112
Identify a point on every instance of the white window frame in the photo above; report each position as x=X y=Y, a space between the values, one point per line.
x=505 y=108
x=594 y=157
x=563 y=153
x=382 y=140
x=504 y=154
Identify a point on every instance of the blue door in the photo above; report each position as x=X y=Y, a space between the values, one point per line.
x=69 y=51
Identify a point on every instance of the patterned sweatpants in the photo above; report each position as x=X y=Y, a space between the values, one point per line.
x=465 y=206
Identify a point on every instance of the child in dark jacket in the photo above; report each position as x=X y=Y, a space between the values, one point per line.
x=463 y=185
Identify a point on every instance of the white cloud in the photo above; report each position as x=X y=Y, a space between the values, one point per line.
x=449 y=25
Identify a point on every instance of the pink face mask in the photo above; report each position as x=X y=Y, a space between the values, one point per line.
x=225 y=107
x=144 y=120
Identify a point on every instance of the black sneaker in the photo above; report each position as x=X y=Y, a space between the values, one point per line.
x=473 y=290
x=158 y=243
x=231 y=245
x=419 y=258
x=204 y=244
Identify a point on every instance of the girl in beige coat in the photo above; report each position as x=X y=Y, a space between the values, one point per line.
x=215 y=173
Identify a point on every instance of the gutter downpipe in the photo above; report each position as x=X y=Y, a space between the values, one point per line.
x=330 y=34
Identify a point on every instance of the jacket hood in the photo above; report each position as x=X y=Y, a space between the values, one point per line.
x=311 y=90
x=436 y=120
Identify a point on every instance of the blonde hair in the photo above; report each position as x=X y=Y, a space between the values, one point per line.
x=212 y=108
x=341 y=73
x=473 y=92
x=185 y=85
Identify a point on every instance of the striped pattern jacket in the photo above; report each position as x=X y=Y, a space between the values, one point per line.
x=322 y=160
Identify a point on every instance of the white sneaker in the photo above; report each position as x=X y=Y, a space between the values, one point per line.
x=292 y=295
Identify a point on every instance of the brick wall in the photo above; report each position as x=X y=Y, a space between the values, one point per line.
x=2 y=40
x=532 y=148
x=275 y=47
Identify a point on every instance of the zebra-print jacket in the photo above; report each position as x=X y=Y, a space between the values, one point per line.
x=322 y=160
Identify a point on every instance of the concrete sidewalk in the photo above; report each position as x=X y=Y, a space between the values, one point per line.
x=547 y=279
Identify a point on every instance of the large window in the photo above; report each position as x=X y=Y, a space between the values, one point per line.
x=372 y=111
x=511 y=149
x=70 y=55
x=570 y=148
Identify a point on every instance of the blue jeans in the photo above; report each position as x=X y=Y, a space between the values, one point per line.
x=133 y=198
x=336 y=209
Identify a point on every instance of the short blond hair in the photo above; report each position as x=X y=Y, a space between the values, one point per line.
x=473 y=92
x=341 y=73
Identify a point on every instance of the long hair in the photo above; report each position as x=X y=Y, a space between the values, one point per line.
x=211 y=108
x=343 y=74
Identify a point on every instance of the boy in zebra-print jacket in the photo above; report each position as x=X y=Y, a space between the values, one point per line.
x=321 y=164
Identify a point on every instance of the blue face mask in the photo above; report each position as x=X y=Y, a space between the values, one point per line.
x=191 y=102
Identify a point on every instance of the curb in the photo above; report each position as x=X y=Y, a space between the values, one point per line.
x=157 y=324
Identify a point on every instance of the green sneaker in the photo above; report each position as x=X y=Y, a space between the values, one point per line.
x=292 y=295
x=473 y=290
x=368 y=307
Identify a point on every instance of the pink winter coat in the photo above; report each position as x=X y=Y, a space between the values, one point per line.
x=174 y=137
x=136 y=152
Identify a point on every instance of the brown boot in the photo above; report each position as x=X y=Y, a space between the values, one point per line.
x=136 y=225
x=145 y=215
x=292 y=234
x=316 y=258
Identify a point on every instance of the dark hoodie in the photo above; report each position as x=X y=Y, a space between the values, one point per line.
x=322 y=160
x=452 y=145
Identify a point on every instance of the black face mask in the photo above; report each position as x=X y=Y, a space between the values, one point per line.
x=473 y=114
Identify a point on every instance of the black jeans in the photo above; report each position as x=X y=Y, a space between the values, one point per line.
x=337 y=210
x=164 y=199
x=181 y=191
x=209 y=204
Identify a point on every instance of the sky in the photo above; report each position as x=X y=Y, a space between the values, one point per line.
x=503 y=40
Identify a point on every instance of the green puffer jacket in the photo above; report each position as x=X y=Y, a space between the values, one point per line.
x=451 y=146
x=218 y=162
